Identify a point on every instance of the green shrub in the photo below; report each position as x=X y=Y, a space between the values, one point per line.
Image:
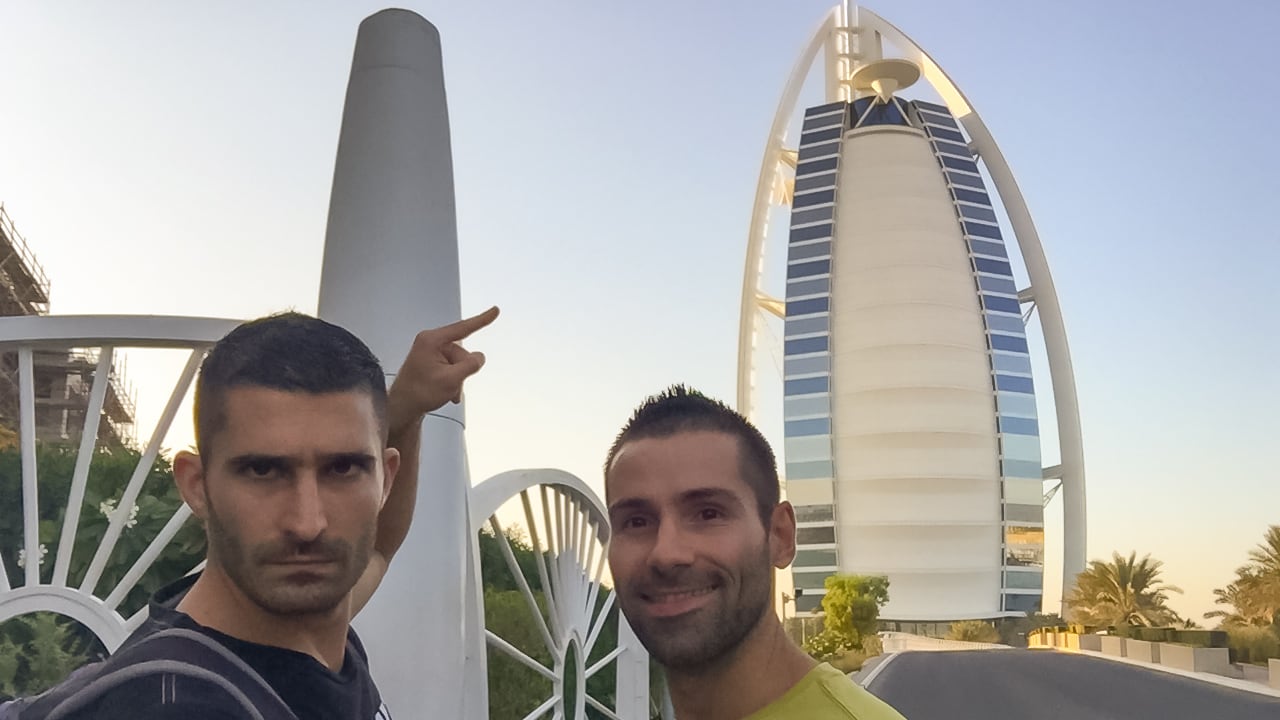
x=830 y=644
x=973 y=631
x=1252 y=644
x=1200 y=638
x=872 y=646
x=39 y=649
x=1155 y=635
x=849 y=661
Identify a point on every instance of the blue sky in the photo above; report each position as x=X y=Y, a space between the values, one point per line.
x=175 y=158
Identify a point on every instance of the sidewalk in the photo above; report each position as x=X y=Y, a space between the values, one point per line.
x=1254 y=679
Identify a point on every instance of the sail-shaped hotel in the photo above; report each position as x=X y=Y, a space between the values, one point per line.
x=912 y=441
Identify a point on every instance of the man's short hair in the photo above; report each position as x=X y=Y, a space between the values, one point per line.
x=680 y=409
x=289 y=351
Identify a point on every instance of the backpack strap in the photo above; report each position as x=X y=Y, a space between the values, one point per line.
x=152 y=668
x=181 y=653
x=78 y=678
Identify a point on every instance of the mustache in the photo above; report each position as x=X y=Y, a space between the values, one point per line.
x=675 y=581
x=320 y=550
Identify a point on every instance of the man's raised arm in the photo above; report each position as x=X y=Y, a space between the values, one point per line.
x=432 y=375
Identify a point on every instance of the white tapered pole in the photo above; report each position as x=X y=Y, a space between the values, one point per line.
x=390 y=269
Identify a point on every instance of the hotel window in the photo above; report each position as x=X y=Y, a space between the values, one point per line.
x=1008 y=342
x=812 y=232
x=814 y=558
x=817 y=426
x=804 y=217
x=813 y=182
x=956 y=163
x=814 y=513
x=807 y=386
x=1013 y=383
x=806 y=365
x=817 y=136
x=986 y=247
x=807 y=307
x=797 y=288
x=946 y=134
x=814 y=198
x=971 y=196
x=1018 y=426
x=815 y=535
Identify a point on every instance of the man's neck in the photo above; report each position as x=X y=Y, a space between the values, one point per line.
x=762 y=669
x=216 y=602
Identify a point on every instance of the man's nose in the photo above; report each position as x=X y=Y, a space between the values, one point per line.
x=305 y=518
x=671 y=548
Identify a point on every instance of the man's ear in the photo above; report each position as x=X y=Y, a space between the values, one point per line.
x=188 y=475
x=390 y=467
x=782 y=535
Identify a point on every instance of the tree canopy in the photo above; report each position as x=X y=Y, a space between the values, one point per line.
x=514 y=689
x=39 y=649
x=1253 y=598
x=851 y=608
x=1123 y=591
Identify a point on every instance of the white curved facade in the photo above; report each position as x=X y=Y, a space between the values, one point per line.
x=912 y=440
x=918 y=486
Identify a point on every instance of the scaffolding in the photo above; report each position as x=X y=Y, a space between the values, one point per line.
x=62 y=382
x=24 y=287
x=62 y=378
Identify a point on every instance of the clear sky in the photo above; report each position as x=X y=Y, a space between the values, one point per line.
x=175 y=158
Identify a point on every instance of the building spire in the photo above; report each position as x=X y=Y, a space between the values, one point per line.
x=885 y=77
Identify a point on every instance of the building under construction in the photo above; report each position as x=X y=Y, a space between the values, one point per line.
x=62 y=379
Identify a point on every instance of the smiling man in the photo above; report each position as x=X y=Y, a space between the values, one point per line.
x=305 y=478
x=698 y=529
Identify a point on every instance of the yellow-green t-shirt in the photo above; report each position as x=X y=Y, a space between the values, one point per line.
x=825 y=693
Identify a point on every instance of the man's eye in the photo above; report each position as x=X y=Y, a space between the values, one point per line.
x=260 y=468
x=345 y=468
x=710 y=514
x=635 y=522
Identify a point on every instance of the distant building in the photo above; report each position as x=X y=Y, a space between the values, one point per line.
x=62 y=380
x=912 y=440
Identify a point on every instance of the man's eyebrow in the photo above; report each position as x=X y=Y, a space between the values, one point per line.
x=629 y=504
x=710 y=494
x=719 y=495
x=284 y=462
x=247 y=459
x=355 y=457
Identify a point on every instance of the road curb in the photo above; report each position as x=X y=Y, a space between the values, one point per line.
x=879 y=668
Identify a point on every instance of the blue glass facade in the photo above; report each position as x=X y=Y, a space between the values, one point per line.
x=1013 y=390
x=807 y=360
x=807 y=352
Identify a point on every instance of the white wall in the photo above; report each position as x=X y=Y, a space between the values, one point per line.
x=918 y=478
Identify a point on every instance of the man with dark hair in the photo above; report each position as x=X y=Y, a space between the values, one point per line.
x=698 y=528
x=305 y=477
x=680 y=409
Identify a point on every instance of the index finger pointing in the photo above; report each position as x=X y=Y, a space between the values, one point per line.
x=464 y=327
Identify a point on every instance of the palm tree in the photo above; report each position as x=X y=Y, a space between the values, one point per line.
x=1125 y=591
x=1254 y=596
x=1266 y=557
x=1245 y=600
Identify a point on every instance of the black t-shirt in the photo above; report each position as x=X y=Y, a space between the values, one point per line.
x=311 y=690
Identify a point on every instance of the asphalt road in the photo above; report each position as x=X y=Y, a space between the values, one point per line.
x=1046 y=685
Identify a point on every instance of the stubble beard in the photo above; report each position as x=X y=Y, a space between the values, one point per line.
x=247 y=569
x=709 y=636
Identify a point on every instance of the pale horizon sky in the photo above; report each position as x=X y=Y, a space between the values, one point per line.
x=176 y=159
